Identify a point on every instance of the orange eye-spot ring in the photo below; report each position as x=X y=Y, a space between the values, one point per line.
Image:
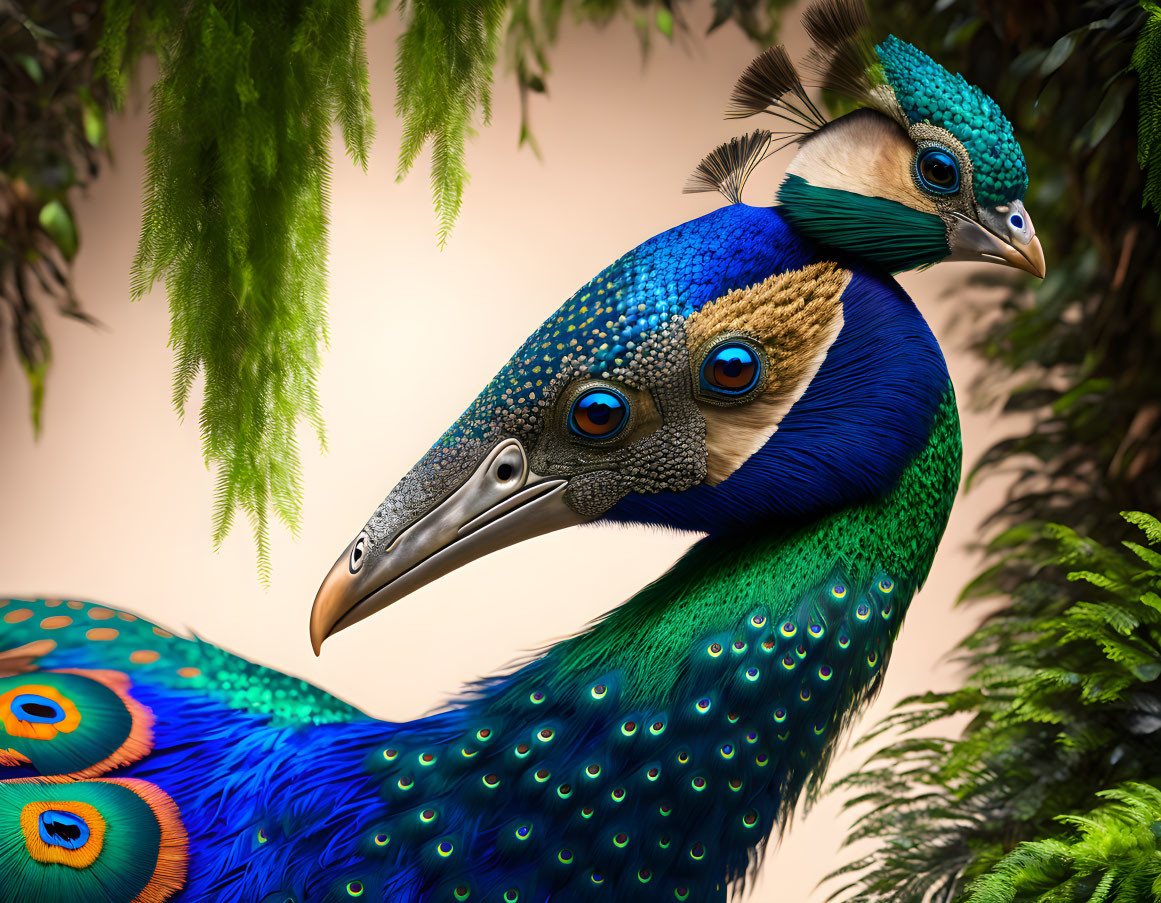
x=21 y=715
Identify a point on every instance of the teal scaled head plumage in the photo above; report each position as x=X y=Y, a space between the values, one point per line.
x=756 y=376
x=928 y=93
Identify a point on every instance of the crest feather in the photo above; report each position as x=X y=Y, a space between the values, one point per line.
x=843 y=58
x=727 y=167
x=772 y=85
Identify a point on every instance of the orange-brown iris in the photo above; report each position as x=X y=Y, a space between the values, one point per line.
x=731 y=368
x=598 y=414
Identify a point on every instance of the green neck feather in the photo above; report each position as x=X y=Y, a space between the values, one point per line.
x=886 y=233
x=716 y=585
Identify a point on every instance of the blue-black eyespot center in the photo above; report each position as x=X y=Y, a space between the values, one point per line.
x=731 y=369
x=37 y=709
x=598 y=413
x=937 y=170
x=59 y=828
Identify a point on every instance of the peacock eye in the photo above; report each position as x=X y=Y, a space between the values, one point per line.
x=730 y=370
x=598 y=413
x=937 y=171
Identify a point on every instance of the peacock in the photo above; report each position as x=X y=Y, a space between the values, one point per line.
x=756 y=376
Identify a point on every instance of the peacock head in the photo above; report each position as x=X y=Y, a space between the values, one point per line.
x=926 y=169
x=686 y=386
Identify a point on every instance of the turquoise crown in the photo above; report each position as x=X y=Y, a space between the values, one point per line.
x=929 y=93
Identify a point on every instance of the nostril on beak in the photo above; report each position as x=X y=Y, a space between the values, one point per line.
x=509 y=468
x=358 y=553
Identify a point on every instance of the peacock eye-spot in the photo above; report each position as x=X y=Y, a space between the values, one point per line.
x=731 y=369
x=598 y=413
x=937 y=171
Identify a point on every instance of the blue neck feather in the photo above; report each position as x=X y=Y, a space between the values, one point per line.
x=863 y=418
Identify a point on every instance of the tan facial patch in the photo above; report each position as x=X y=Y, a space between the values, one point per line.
x=796 y=317
x=865 y=153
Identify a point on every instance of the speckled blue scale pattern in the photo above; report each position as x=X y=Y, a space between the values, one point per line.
x=929 y=93
x=671 y=274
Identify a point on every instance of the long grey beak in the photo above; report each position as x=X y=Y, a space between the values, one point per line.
x=501 y=503
x=1003 y=235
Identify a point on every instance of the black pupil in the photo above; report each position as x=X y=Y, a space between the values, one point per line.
x=504 y=472
x=939 y=170
x=36 y=710
x=63 y=830
x=358 y=552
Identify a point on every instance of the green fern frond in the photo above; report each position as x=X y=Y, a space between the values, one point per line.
x=1114 y=854
x=444 y=69
x=235 y=224
x=1147 y=63
x=1075 y=688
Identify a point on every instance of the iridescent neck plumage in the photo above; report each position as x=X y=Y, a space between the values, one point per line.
x=720 y=581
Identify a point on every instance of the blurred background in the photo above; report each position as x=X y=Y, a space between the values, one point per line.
x=113 y=501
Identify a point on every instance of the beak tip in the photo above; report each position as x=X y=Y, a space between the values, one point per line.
x=319 y=628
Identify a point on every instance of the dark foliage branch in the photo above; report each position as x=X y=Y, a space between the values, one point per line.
x=1044 y=794
x=53 y=139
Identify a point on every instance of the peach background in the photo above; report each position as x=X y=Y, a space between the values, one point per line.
x=113 y=502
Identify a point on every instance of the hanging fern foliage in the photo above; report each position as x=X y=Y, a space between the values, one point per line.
x=235 y=223
x=444 y=78
x=1147 y=63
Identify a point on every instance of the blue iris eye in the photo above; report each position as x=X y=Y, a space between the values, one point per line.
x=37 y=709
x=731 y=369
x=63 y=829
x=1016 y=220
x=599 y=414
x=937 y=171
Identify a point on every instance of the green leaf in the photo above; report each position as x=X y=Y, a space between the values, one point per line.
x=57 y=222
x=30 y=65
x=665 y=22
x=1149 y=525
x=93 y=120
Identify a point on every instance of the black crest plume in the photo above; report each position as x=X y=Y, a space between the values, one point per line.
x=771 y=85
x=727 y=167
x=843 y=54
